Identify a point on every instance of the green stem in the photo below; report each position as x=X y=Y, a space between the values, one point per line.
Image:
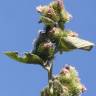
x=50 y=72
x=50 y=75
x=49 y=67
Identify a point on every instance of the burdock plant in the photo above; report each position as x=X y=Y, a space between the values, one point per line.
x=53 y=39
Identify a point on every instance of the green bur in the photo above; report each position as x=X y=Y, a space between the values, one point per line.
x=66 y=83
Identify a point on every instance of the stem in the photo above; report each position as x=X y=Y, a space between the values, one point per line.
x=50 y=76
x=50 y=71
x=49 y=68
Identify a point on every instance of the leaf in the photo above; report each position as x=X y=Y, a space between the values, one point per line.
x=64 y=46
x=78 y=43
x=70 y=43
x=27 y=58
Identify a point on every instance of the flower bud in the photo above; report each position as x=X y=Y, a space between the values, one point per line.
x=60 y=3
x=48 y=45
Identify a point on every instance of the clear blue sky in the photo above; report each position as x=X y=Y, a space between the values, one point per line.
x=19 y=26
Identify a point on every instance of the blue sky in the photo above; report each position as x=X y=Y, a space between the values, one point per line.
x=19 y=26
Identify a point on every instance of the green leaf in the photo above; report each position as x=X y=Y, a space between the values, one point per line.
x=63 y=46
x=77 y=43
x=27 y=58
x=69 y=43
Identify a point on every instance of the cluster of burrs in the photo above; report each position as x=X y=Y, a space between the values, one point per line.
x=52 y=39
x=55 y=37
x=66 y=83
